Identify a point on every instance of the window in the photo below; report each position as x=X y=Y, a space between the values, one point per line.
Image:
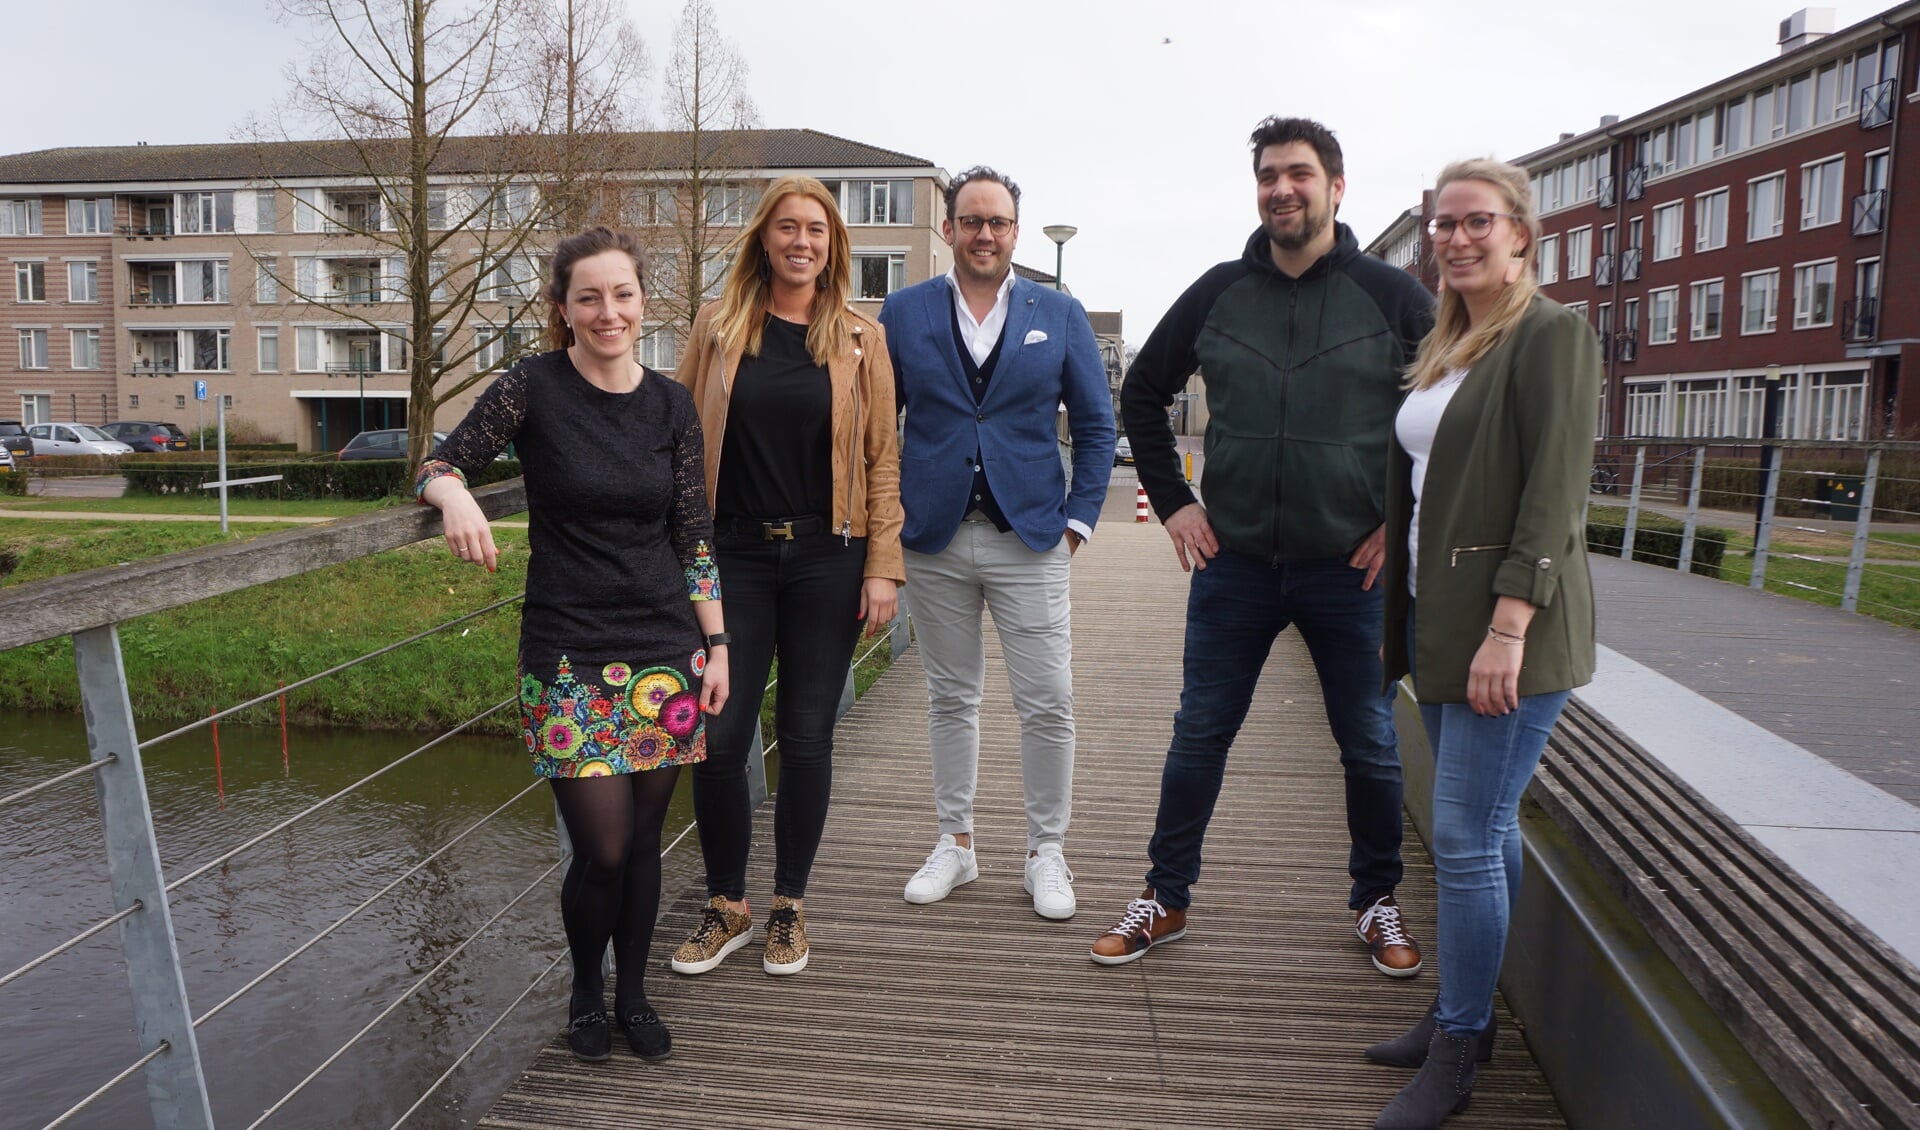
x=878 y=274
x=207 y=351
x=658 y=349
x=180 y=402
x=1644 y=404
x=436 y=209
x=33 y=349
x=86 y=348
x=266 y=286
x=1699 y=406
x=1579 y=308
x=1820 y=184
x=263 y=217
x=226 y=401
x=1666 y=231
x=514 y=277
x=729 y=205
x=1736 y=125
x=83 y=281
x=1862 y=319
x=203 y=280
x=1549 y=261
x=206 y=211
x=133 y=400
x=1759 y=301
x=512 y=205
x=36 y=407
x=1663 y=315
x=89 y=215
x=19 y=217
x=713 y=275
x=651 y=205
x=876 y=201
x=1710 y=220
x=267 y=353
x=1800 y=102
x=1603 y=324
x=30 y=282
x=1705 y=303
x=1813 y=295
x=1836 y=406
x=1579 y=252
x=499 y=346
x=1766 y=206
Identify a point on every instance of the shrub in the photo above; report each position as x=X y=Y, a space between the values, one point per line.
x=1728 y=485
x=1656 y=539
x=364 y=480
x=14 y=482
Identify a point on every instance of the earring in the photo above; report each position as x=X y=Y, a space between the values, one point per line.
x=766 y=266
x=820 y=281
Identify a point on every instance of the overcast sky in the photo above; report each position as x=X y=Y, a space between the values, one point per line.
x=1125 y=118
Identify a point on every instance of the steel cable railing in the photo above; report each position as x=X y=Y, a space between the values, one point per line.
x=77 y=771
x=73 y=1111
x=77 y=939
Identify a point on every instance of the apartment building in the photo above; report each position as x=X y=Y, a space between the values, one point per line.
x=143 y=276
x=1752 y=231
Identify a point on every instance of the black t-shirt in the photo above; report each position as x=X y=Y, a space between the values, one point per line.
x=777 y=458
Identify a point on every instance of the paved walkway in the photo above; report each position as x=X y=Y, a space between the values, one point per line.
x=976 y=1012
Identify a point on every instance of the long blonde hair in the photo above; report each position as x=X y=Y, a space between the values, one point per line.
x=743 y=303
x=1455 y=342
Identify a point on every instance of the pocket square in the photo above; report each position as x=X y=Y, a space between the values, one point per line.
x=1034 y=337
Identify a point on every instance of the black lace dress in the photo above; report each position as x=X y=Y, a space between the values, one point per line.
x=610 y=653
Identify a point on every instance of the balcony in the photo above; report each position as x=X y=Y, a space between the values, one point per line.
x=1870 y=212
x=149 y=217
x=153 y=368
x=1603 y=270
x=1876 y=105
x=1609 y=192
x=1627 y=345
x=1859 y=318
x=1630 y=265
x=1636 y=181
x=353 y=212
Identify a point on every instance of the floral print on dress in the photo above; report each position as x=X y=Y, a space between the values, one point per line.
x=703 y=576
x=629 y=723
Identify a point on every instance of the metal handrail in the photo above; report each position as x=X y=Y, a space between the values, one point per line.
x=159 y=1050
x=91 y=931
x=89 y=767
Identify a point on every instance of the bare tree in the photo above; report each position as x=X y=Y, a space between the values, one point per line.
x=431 y=220
x=695 y=199
x=582 y=71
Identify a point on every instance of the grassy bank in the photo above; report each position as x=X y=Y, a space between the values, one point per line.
x=184 y=662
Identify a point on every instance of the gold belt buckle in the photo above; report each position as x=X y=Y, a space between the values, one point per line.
x=783 y=530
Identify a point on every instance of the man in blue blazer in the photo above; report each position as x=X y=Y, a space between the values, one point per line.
x=985 y=361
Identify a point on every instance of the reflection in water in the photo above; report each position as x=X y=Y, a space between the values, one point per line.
x=67 y=1027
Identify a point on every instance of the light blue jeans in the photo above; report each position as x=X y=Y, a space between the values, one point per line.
x=1481 y=767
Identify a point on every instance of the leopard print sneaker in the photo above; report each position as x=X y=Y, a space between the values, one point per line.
x=721 y=931
x=786 y=938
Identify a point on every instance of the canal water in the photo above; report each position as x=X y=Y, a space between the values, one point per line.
x=66 y=1027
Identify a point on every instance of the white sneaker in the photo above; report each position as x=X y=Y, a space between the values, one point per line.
x=949 y=866
x=1050 y=882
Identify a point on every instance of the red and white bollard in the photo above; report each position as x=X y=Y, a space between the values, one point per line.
x=1141 y=512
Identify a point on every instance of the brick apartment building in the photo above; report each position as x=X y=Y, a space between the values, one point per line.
x=135 y=272
x=1751 y=227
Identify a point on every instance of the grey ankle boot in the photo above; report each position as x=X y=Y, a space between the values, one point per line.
x=1410 y=1049
x=1442 y=1087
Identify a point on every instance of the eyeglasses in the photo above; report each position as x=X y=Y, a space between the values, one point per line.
x=1478 y=224
x=971 y=225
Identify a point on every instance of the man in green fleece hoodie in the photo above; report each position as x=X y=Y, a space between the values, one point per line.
x=1302 y=342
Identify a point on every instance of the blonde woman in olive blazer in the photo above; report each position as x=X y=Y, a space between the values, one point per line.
x=1489 y=603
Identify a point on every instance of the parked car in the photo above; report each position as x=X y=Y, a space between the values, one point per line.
x=147 y=435
x=1123 y=452
x=15 y=440
x=64 y=437
x=384 y=443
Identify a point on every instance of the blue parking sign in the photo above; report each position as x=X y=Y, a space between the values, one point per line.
x=199 y=390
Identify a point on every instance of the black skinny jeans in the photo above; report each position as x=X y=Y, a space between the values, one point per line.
x=799 y=599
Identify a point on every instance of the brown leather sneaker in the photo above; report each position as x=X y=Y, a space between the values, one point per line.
x=1393 y=950
x=1145 y=925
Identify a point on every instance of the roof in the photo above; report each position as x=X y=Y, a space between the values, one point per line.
x=747 y=149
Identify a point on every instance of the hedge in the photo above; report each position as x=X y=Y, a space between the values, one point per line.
x=1736 y=486
x=364 y=479
x=1656 y=539
x=14 y=481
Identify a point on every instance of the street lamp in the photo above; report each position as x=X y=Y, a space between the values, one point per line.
x=1769 y=429
x=1059 y=234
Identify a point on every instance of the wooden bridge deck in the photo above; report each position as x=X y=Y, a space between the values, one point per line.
x=975 y=1011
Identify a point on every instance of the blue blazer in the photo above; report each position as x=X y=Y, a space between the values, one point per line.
x=1048 y=357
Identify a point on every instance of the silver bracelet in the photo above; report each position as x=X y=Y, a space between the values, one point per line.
x=1508 y=638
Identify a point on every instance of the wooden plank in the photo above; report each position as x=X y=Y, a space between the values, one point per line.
x=974 y=1011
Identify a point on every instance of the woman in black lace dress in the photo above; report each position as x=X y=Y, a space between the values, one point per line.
x=622 y=650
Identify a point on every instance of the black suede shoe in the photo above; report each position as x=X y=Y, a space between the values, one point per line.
x=647 y=1034
x=589 y=1036
x=1410 y=1049
x=1442 y=1087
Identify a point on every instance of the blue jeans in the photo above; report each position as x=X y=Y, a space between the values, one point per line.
x=1236 y=607
x=1481 y=767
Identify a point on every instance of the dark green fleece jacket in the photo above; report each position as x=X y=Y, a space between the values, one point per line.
x=1303 y=379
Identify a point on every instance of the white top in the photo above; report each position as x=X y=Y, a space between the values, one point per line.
x=1415 y=426
x=980 y=336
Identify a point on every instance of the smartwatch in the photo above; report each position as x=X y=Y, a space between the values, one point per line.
x=718 y=638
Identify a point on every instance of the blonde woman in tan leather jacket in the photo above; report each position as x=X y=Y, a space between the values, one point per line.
x=795 y=395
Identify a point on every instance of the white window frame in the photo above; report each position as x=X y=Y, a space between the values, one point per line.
x=1697 y=308
x=87 y=273
x=659 y=346
x=263 y=335
x=1803 y=315
x=1547 y=263
x=90 y=335
x=1672 y=296
x=1779 y=206
x=89 y=215
x=1670 y=247
x=23 y=276
x=1810 y=196
x=21 y=216
x=1770 y=308
x=1580 y=252
x=266 y=281
x=32 y=340
x=1705 y=229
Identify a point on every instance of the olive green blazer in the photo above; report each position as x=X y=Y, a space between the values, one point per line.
x=1502 y=512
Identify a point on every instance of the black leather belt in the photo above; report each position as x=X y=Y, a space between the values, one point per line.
x=777 y=529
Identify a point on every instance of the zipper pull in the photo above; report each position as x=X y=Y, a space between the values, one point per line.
x=846 y=532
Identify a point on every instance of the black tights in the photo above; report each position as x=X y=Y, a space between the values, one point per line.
x=612 y=888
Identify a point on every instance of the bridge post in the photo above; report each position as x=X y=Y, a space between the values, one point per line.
x=756 y=771
x=1633 y=504
x=1693 y=511
x=1763 y=537
x=902 y=628
x=1862 y=523
x=176 y=1086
